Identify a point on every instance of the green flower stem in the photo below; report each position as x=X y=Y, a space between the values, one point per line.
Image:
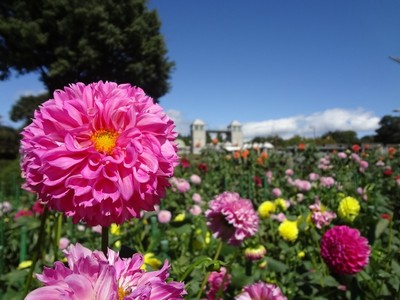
x=57 y=234
x=22 y=244
x=219 y=293
x=104 y=240
x=38 y=251
x=203 y=284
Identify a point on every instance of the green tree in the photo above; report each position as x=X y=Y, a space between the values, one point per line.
x=389 y=130
x=342 y=136
x=24 y=108
x=67 y=41
x=9 y=142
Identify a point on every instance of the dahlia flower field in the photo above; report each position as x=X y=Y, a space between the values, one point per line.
x=121 y=215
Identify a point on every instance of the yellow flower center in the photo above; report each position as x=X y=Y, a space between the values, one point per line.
x=122 y=293
x=104 y=140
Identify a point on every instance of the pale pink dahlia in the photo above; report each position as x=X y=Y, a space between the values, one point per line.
x=218 y=282
x=231 y=218
x=261 y=291
x=344 y=250
x=100 y=153
x=93 y=276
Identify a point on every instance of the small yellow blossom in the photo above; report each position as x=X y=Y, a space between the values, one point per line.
x=24 y=264
x=348 y=209
x=288 y=230
x=263 y=264
x=301 y=254
x=117 y=244
x=180 y=217
x=266 y=208
x=208 y=237
x=151 y=261
x=115 y=229
x=280 y=202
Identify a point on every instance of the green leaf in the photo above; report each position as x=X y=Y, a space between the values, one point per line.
x=275 y=265
x=380 y=227
x=330 y=281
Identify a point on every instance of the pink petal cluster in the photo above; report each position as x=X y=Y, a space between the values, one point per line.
x=319 y=216
x=302 y=185
x=261 y=291
x=276 y=192
x=231 y=218
x=344 y=250
x=218 y=282
x=180 y=184
x=195 y=179
x=100 y=153
x=93 y=276
x=327 y=182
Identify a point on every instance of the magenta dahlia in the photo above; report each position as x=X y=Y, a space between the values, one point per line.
x=231 y=218
x=93 y=276
x=100 y=153
x=344 y=250
x=261 y=291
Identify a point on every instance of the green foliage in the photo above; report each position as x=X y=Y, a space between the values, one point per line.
x=24 y=108
x=389 y=130
x=66 y=41
x=347 y=137
x=191 y=249
x=9 y=142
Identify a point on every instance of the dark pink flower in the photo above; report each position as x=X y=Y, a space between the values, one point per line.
x=100 y=153
x=344 y=250
x=23 y=213
x=91 y=275
x=231 y=218
x=203 y=167
x=38 y=207
x=218 y=282
x=261 y=291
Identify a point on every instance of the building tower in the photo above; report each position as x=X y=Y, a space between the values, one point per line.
x=236 y=133
x=198 y=132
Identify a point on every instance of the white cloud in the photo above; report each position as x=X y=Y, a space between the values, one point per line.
x=182 y=126
x=358 y=120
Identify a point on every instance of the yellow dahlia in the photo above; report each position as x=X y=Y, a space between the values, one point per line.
x=288 y=230
x=266 y=208
x=348 y=209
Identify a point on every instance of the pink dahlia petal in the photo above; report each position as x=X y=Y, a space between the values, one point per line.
x=344 y=250
x=60 y=291
x=231 y=218
x=92 y=145
x=261 y=291
x=93 y=276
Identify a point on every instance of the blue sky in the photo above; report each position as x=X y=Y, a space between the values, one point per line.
x=278 y=67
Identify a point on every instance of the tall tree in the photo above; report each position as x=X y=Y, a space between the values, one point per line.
x=342 y=136
x=67 y=41
x=24 y=108
x=389 y=130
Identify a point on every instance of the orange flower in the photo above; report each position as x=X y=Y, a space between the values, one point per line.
x=264 y=155
x=391 y=151
x=215 y=141
x=245 y=153
x=302 y=147
x=236 y=155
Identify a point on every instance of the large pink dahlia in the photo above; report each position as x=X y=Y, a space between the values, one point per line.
x=344 y=250
x=261 y=291
x=93 y=276
x=231 y=218
x=100 y=153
